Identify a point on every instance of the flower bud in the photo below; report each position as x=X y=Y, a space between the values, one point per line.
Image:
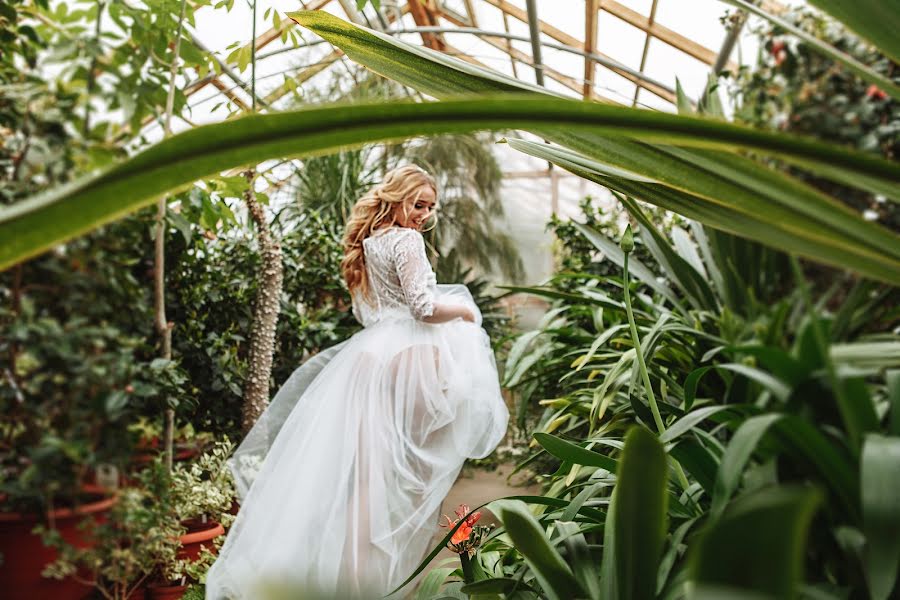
x=627 y=242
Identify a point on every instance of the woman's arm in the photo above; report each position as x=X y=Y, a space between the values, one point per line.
x=415 y=275
x=447 y=312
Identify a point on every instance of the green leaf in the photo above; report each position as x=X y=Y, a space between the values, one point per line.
x=528 y=537
x=579 y=558
x=636 y=523
x=757 y=546
x=570 y=452
x=698 y=174
x=697 y=460
x=431 y=583
x=797 y=438
x=893 y=386
x=497 y=585
x=635 y=267
x=759 y=209
x=691 y=420
x=880 y=487
x=40 y=222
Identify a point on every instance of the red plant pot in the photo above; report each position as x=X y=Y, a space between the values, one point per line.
x=199 y=535
x=165 y=592
x=25 y=556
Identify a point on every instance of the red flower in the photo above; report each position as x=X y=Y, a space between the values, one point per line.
x=465 y=529
x=778 y=49
x=875 y=93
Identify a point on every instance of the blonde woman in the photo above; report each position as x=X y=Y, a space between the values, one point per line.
x=341 y=480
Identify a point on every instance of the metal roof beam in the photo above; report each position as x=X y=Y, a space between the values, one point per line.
x=647 y=37
x=664 y=34
x=535 y=31
x=571 y=44
x=590 y=43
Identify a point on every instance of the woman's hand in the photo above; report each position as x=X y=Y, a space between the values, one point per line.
x=447 y=312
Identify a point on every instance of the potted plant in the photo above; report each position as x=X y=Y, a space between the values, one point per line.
x=202 y=493
x=187 y=442
x=65 y=401
x=138 y=535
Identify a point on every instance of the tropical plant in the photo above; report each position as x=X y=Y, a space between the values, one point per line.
x=748 y=410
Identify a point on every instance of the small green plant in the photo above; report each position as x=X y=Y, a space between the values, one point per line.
x=203 y=489
x=137 y=537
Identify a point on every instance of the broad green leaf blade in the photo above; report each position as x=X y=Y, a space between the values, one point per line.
x=528 y=537
x=431 y=583
x=442 y=76
x=497 y=585
x=880 y=487
x=758 y=218
x=691 y=420
x=758 y=545
x=885 y=33
x=580 y=456
x=893 y=386
x=578 y=556
x=40 y=222
x=636 y=525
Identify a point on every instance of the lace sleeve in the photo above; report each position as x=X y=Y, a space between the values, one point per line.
x=354 y=306
x=415 y=274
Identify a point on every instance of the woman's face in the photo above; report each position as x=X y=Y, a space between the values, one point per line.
x=417 y=209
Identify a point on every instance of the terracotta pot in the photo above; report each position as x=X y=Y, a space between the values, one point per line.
x=146 y=452
x=200 y=535
x=165 y=592
x=25 y=556
x=140 y=593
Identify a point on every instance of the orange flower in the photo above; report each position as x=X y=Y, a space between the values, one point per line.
x=462 y=534
x=467 y=536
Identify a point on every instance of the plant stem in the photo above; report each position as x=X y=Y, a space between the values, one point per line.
x=468 y=572
x=162 y=325
x=657 y=418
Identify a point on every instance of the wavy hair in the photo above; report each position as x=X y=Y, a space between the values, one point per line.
x=376 y=209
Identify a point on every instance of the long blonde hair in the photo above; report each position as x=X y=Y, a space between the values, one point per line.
x=374 y=210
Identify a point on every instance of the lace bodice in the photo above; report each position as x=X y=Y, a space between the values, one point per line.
x=401 y=280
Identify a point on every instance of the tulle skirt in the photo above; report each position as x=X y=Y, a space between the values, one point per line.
x=341 y=480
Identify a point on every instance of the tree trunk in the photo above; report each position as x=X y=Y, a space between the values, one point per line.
x=265 y=313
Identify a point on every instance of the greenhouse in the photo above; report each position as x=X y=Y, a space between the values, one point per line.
x=433 y=299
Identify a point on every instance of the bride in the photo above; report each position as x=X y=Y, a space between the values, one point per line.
x=342 y=477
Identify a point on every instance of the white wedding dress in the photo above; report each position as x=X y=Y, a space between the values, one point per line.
x=341 y=480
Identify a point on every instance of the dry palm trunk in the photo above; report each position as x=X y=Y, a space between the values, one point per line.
x=265 y=313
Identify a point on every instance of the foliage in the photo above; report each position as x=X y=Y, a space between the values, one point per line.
x=574 y=253
x=202 y=489
x=794 y=88
x=72 y=384
x=137 y=536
